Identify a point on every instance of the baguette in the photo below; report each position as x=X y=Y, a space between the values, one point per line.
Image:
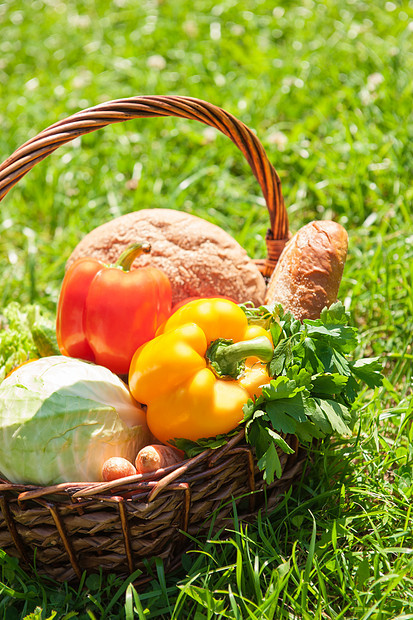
x=308 y=273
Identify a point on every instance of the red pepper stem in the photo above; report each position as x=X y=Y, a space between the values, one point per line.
x=127 y=257
x=226 y=358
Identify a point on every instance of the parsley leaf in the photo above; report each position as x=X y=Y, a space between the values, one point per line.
x=368 y=370
x=329 y=383
x=270 y=463
x=333 y=328
x=282 y=358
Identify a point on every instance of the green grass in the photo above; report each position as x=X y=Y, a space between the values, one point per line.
x=327 y=87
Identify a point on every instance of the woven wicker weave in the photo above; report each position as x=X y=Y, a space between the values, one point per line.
x=69 y=528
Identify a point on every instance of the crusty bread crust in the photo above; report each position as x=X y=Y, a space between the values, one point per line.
x=309 y=271
x=200 y=258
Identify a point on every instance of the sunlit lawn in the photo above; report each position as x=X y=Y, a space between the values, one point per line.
x=327 y=86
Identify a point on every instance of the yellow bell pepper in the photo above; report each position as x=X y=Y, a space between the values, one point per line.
x=200 y=369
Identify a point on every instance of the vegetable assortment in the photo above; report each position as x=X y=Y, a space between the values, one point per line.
x=131 y=371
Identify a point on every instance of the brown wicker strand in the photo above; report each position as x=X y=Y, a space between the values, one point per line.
x=11 y=525
x=126 y=534
x=54 y=511
x=164 y=482
x=187 y=506
x=274 y=249
x=231 y=443
x=35 y=492
x=250 y=466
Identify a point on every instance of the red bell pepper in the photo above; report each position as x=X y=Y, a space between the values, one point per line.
x=105 y=312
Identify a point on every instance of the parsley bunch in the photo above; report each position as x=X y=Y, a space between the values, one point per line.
x=314 y=385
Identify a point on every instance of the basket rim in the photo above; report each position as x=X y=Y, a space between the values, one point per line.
x=151 y=483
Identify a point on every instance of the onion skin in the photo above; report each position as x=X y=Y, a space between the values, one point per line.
x=117 y=467
x=156 y=456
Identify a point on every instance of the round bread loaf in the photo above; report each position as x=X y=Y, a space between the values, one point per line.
x=200 y=258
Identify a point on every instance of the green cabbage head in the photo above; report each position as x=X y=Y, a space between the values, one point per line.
x=61 y=418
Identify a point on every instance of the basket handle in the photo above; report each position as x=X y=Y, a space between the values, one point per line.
x=91 y=119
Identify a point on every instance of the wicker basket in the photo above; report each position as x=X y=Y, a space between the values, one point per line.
x=70 y=528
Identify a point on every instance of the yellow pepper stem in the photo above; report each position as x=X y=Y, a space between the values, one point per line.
x=227 y=358
x=134 y=250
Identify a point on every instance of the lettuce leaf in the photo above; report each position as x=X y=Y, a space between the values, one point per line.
x=24 y=331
